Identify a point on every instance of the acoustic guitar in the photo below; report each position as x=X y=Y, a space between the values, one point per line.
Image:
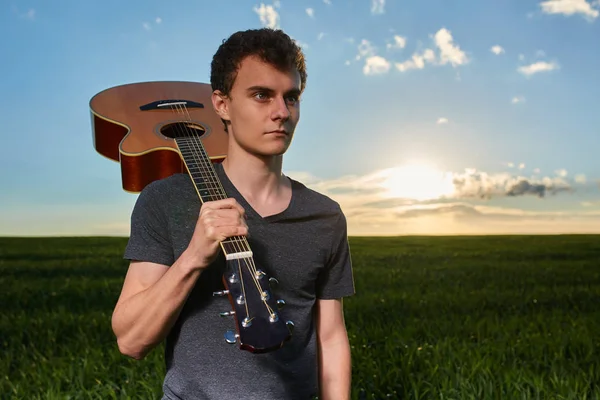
x=156 y=129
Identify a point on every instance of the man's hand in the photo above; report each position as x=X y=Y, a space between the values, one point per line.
x=218 y=220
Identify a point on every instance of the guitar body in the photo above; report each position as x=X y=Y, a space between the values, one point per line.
x=139 y=139
x=157 y=129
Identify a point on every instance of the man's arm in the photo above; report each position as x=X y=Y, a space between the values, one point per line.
x=153 y=294
x=149 y=304
x=334 y=351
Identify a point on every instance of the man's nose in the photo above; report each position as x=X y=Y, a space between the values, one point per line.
x=280 y=108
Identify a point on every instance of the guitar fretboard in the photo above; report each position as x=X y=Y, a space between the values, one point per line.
x=209 y=188
x=201 y=170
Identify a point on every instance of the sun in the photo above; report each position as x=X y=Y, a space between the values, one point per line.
x=417 y=181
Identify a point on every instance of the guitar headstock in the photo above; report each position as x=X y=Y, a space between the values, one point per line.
x=260 y=325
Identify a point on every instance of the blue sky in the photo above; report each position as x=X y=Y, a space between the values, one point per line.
x=413 y=109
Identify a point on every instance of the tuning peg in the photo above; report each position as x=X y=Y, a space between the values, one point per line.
x=231 y=337
x=227 y=313
x=221 y=293
x=259 y=274
x=274 y=283
x=290 y=326
x=280 y=303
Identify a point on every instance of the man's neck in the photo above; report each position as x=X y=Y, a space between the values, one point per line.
x=258 y=179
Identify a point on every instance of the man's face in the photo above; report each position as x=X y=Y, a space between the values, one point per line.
x=263 y=107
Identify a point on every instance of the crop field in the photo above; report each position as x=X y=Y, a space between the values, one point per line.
x=497 y=317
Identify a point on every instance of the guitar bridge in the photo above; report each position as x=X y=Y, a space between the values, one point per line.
x=168 y=104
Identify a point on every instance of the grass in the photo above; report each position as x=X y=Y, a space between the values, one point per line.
x=500 y=317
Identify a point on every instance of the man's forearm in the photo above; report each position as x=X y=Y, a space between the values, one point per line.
x=144 y=320
x=335 y=369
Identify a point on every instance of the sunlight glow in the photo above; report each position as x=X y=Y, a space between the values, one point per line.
x=417 y=181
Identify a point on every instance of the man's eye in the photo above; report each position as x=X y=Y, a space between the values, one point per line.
x=292 y=99
x=261 y=95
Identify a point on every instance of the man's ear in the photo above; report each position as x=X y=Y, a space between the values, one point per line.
x=219 y=101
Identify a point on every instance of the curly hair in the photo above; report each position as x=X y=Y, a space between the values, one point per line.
x=271 y=45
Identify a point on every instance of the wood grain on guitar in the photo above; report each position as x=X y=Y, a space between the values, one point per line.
x=157 y=129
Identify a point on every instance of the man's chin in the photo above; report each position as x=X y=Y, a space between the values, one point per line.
x=274 y=148
x=272 y=152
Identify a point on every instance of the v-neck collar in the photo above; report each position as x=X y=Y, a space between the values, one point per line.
x=232 y=191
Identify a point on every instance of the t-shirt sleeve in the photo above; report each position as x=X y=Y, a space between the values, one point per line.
x=336 y=279
x=149 y=238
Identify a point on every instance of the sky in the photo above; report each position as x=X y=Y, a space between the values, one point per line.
x=419 y=117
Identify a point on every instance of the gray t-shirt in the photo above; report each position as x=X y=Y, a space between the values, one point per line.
x=305 y=247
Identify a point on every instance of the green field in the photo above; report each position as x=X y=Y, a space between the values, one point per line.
x=515 y=317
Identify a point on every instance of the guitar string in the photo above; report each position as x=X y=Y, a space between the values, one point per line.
x=194 y=141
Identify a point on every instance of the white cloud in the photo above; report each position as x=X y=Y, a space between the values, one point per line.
x=269 y=17
x=540 y=66
x=377 y=6
x=30 y=14
x=521 y=166
x=497 y=50
x=580 y=178
x=375 y=65
x=570 y=7
x=590 y=203
x=518 y=99
x=449 y=52
x=310 y=12
x=365 y=49
x=399 y=43
x=561 y=172
x=320 y=35
x=442 y=121
x=417 y=61
x=476 y=184
x=147 y=26
x=328 y=2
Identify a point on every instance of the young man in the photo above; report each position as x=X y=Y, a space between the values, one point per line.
x=297 y=235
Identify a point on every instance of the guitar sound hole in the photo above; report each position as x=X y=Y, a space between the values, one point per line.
x=182 y=129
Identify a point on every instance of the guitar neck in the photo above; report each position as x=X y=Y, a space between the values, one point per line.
x=209 y=188
x=200 y=169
